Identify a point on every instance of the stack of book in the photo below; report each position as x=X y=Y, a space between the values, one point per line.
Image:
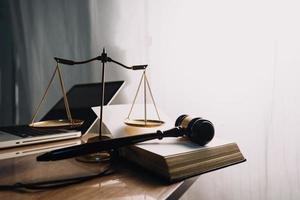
x=173 y=159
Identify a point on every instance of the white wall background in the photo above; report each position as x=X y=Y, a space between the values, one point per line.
x=233 y=62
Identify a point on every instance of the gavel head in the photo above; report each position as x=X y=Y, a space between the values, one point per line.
x=200 y=131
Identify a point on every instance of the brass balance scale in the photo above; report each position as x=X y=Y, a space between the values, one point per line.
x=74 y=123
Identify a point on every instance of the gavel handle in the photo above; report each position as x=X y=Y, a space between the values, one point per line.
x=94 y=147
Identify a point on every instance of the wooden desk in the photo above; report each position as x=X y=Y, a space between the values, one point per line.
x=128 y=182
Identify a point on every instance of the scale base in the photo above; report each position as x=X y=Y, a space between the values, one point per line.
x=143 y=123
x=98 y=157
x=59 y=123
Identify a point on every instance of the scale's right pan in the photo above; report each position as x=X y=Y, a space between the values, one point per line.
x=143 y=122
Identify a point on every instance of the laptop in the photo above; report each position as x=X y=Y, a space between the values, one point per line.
x=81 y=98
x=37 y=148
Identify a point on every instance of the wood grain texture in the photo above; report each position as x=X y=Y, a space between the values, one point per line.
x=128 y=181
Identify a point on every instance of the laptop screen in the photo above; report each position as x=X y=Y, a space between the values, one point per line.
x=81 y=98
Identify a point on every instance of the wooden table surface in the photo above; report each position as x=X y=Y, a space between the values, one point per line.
x=127 y=182
x=272 y=171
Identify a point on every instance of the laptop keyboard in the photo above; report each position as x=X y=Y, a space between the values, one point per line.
x=26 y=131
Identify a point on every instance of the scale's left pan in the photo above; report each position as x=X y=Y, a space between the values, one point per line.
x=60 y=123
